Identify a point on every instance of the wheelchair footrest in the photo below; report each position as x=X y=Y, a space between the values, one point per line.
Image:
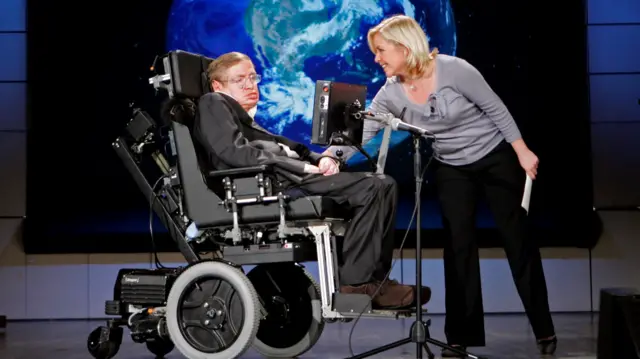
x=271 y=253
x=351 y=303
x=386 y=314
x=354 y=305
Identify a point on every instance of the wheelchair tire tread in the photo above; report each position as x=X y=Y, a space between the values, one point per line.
x=248 y=296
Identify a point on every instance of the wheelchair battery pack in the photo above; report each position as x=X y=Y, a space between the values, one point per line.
x=271 y=253
x=145 y=286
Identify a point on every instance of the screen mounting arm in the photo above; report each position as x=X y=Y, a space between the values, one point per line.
x=352 y=112
x=340 y=139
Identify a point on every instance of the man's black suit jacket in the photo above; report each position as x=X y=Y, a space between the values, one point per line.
x=226 y=137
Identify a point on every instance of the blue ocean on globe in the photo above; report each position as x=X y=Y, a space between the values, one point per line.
x=294 y=43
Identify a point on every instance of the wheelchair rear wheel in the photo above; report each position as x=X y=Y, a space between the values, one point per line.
x=291 y=297
x=212 y=311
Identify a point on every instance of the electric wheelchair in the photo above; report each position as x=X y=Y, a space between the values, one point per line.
x=211 y=308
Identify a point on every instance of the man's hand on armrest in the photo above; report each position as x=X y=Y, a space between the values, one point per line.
x=329 y=166
x=315 y=157
x=326 y=162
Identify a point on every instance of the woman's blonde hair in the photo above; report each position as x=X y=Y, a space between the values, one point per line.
x=404 y=30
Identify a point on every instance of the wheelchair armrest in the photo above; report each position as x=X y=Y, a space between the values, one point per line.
x=240 y=172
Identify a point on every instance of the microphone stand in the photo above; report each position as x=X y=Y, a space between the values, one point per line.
x=419 y=332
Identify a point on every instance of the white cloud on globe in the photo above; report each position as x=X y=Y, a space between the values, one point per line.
x=284 y=40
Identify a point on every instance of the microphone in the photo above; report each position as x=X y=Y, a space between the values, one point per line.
x=395 y=123
x=398 y=125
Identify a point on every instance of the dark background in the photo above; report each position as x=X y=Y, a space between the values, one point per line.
x=88 y=65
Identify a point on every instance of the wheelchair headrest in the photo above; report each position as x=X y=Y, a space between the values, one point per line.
x=185 y=75
x=185 y=79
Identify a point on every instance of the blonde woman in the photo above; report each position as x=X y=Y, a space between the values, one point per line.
x=479 y=150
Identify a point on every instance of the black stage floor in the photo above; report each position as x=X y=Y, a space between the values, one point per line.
x=508 y=336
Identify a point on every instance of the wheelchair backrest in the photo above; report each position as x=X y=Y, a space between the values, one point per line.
x=201 y=203
x=185 y=79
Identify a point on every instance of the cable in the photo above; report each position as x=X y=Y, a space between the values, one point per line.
x=152 y=201
x=415 y=209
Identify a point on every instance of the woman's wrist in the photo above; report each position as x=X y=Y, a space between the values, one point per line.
x=519 y=146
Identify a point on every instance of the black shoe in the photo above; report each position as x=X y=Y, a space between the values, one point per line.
x=548 y=346
x=448 y=353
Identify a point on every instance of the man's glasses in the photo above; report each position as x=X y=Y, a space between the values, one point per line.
x=241 y=82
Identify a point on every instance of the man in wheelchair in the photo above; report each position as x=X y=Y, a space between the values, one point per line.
x=226 y=137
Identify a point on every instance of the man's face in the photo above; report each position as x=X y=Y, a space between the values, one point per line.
x=241 y=82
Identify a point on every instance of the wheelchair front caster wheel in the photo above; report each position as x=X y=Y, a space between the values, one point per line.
x=291 y=298
x=104 y=343
x=212 y=311
x=160 y=347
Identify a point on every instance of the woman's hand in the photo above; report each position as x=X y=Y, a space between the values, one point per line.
x=529 y=162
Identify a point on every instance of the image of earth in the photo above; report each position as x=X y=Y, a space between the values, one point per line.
x=294 y=43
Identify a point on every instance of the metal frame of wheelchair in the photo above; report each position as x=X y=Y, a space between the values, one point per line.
x=244 y=222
